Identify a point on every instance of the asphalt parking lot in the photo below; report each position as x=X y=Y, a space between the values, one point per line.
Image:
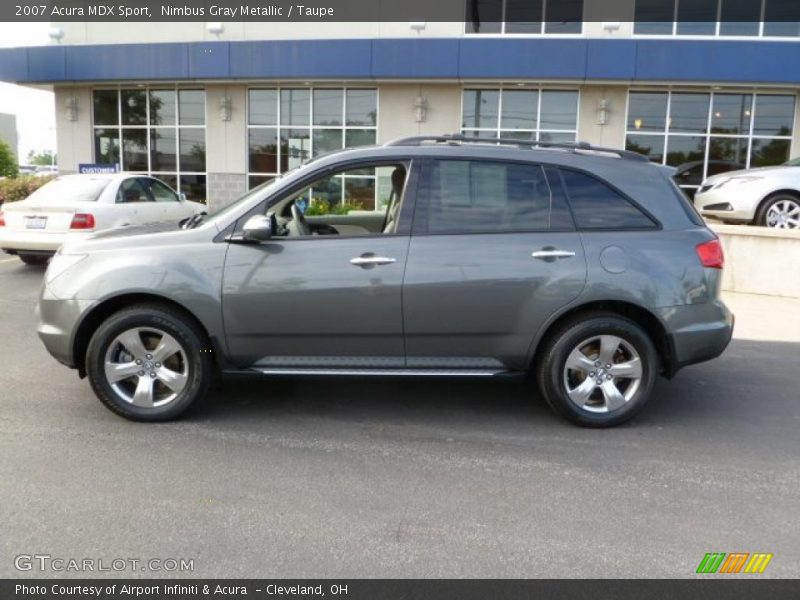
x=413 y=478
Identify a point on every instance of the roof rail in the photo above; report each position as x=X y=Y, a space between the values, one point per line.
x=456 y=139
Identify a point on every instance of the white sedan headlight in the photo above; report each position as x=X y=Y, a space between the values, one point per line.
x=60 y=263
x=739 y=180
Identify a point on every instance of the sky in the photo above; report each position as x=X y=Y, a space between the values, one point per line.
x=34 y=108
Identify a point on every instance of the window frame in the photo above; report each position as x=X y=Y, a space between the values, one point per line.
x=407 y=208
x=148 y=127
x=537 y=131
x=419 y=225
x=542 y=30
x=717 y=27
x=707 y=135
x=310 y=126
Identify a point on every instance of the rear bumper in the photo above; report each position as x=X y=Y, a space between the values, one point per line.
x=698 y=332
x=14 y=241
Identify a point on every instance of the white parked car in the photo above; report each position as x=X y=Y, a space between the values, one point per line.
x=767 y=196
x=74 y=206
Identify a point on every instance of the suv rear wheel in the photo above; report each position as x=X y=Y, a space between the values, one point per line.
x=149 y=363
x=598 y=370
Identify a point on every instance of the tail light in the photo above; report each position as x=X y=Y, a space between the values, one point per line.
x=82 y=221
x=2 y=219
x=710 y=254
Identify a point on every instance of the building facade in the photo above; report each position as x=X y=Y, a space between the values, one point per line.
x=8 y=131
x=214 y=114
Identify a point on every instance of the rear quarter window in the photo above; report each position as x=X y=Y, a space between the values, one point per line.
x=596 y=205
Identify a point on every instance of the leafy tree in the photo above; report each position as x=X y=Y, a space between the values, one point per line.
x=8 y=162
x=41 y=158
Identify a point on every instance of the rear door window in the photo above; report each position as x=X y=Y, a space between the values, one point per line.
x=596 y=205
x=467 y=196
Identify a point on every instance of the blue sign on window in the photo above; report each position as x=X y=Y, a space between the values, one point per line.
x=97 y=169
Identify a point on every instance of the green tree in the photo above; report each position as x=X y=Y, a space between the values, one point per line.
x=41 y=158
x=8 y=162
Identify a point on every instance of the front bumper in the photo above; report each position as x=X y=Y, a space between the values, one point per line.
x=14 y=241
x=697 y=333
x=725 y=205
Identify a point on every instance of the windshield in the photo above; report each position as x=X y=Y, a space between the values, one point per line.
x=70 y=189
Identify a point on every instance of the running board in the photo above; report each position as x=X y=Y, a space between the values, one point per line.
x=384 y=372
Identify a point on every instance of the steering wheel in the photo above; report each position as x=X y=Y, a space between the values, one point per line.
x=298 y=225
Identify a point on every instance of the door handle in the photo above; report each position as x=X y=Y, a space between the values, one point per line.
x=371 y=261
x=551 y=253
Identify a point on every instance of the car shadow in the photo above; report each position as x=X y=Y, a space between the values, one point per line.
x=752 y=382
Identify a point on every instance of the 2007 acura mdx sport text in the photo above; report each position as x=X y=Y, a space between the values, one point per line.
x=457 y=257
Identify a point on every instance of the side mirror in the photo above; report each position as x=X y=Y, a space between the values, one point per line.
x=258 y=228
x=182 y=197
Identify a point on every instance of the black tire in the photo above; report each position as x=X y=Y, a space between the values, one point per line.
x=34 y=260
x=761 y=215
x=197 y=364
x=552 y=359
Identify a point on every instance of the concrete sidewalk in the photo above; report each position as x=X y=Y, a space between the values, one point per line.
x=766 y=318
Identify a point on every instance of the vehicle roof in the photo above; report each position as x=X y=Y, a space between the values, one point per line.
x=109 y=176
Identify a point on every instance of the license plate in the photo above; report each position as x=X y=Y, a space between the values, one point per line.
x=35 y=222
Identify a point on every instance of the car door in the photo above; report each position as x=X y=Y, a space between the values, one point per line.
x=317 y=301
x=493 y=254
x=170 y=206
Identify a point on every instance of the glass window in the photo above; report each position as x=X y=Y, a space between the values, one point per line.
x=723 y=142
x=480 y=108
x=559 y=110
x=309 y=122
x=131 y=190
x=134 y=107
x=361 y=108
x=519 y=109
x=782 y=18
x=263 y=107
x=163 y=149
x=647 y=111
x=595 y=205
x=193 y=149
x=193 y=186
x=106 y=107
x=154 y=131
x=477 y=196
x=328 y=107
x=106 y=146
x=295 y=107
x=80 y=189
x=738 y=17
x=484 y=16
x=192 y=107
x=688 y=113
x=774 y=115
x=654 y=17
x=698 y=17
x=651 y=146
x=162 y=107
x=524 y=16
x=160 y=191
x=731 y=114
x=564 y=16
x=544 y=115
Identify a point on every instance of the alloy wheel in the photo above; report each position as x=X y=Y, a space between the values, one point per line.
x=146 y=367
x=602 y=374
x=784 y=214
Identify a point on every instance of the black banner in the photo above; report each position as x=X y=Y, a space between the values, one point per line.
x=473 y=11
x=730 y=588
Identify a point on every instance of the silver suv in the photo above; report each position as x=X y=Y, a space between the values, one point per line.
x=428 y=256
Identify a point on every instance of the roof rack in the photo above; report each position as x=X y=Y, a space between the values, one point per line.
x=456 y=139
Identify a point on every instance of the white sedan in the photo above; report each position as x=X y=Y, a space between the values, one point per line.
x=768 y=196
x=75 y=206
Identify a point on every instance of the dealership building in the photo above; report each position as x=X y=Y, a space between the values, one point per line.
x=216 y=108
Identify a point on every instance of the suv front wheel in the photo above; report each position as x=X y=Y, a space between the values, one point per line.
x=598 y=370
x=149 y=363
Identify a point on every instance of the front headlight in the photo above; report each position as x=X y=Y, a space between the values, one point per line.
x=739 y=180
x=60 y=263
